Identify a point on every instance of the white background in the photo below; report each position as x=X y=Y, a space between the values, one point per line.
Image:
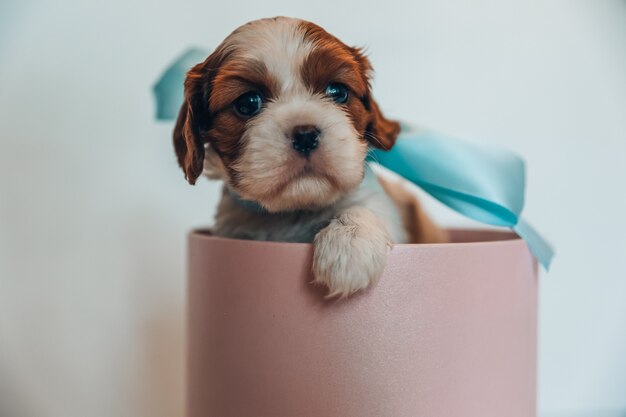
x=94 y=211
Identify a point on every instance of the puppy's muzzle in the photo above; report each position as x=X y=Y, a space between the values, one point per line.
x=305 y=139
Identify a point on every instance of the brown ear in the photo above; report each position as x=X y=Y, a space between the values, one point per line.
x=188 y=146
x=194 y=119
x=380 y=131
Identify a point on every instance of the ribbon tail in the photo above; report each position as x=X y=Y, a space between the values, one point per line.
x=538 y=246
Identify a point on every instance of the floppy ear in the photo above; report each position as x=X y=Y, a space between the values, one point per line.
x=194 y=119
x=380 y=131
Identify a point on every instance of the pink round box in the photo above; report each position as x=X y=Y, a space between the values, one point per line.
x=450 y=330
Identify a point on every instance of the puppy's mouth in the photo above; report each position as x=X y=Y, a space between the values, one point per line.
x=307 y=171
x=302 y=185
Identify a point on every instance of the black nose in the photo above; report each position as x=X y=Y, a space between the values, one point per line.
x=304 y=139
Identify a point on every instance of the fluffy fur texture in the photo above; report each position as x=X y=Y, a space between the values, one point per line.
x=328 y=197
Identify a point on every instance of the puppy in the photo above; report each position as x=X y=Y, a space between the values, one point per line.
x=282 y=112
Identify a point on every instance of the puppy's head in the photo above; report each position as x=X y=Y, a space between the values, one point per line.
x=282 y=111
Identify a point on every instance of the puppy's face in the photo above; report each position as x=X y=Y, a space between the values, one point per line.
x=282 y=112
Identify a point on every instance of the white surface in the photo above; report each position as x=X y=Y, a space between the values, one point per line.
x=93 y=210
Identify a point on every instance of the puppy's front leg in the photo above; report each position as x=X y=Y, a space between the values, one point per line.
x=351 y=252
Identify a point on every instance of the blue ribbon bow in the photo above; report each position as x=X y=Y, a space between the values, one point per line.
x=482 y=183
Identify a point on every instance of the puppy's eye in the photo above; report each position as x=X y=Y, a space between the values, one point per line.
x=337 y=92
x=248 y=104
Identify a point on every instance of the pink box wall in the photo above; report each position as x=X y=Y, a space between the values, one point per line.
x=449 y=331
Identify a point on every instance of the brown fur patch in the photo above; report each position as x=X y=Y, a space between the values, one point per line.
x=333 y=61
x=207 y=115
x=419 y=227
x=235 y=77
x=238 y=76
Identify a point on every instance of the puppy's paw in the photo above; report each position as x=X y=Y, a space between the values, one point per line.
x=351 y=252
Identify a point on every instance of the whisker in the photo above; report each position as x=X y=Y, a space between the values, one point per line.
x=372 y=156
x=374 y=138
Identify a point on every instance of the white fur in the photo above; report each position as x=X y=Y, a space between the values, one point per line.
x=270 y=163
x=351 y=252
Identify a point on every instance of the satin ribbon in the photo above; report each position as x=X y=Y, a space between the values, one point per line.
x=482 y=183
